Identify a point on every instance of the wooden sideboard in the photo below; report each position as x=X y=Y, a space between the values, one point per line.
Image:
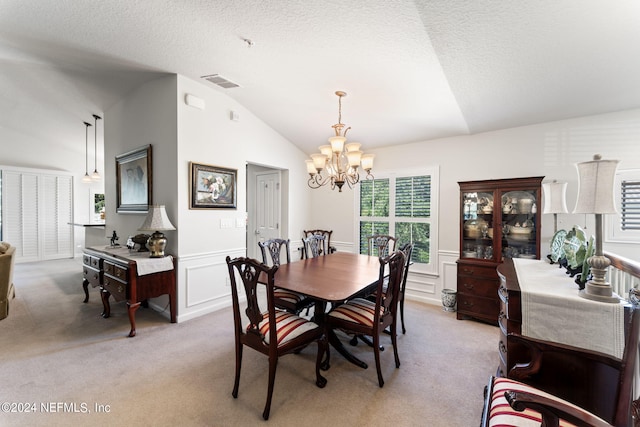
x=587 y=378
x=115 y=272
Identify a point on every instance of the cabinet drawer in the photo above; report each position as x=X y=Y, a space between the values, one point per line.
x=116 y=271
x=91 y=261
x=485 y=307
x=478 y=286
x=502 y=352
x=116 y=288
x=488 y=272
x=92 y=275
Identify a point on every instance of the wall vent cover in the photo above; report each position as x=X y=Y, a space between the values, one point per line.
x=218 y=80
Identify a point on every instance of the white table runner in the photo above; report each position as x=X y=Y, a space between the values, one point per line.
x=553 y=311
x=145 y=265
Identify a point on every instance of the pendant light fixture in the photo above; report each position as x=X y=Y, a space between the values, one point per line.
x=86 y=178
x=339 y=161
x=95 y=176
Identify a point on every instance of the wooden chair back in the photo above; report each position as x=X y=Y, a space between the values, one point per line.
x=325 y=233
x=381 y=245
x=314 y=246
x=275 y=248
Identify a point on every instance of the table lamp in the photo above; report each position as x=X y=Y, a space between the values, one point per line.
x=555 y=196
x=157 y=221
x=595 y=195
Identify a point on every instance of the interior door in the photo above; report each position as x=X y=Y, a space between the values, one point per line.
x=267 y=213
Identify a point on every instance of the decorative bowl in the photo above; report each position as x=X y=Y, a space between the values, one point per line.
x=520 y=233
x=473 y=228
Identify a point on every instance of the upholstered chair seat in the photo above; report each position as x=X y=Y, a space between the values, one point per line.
x=288 y=327
x=502 y=414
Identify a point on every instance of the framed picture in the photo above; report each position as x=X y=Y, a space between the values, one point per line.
x=133 y=180
x=212 y=187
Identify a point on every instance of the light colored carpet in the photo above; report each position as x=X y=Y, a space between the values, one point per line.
x=60 y=354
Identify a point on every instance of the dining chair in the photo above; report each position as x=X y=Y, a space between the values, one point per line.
x=272 y=332
x=325 y=233
x=380 y=245
x=361 y=316
x=407 y=250
x=314 y=246
x=285 y=299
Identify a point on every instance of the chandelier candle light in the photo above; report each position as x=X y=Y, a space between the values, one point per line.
x=595 y=195
x=340 y=160
x=157 y=221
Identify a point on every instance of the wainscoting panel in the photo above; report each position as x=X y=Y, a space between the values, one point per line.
x=203 y=283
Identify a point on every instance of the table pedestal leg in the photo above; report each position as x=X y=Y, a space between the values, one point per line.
x=337 y=344
x=334 y=341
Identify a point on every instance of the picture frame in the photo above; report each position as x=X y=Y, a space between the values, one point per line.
x=212 y=187
x=134 y=174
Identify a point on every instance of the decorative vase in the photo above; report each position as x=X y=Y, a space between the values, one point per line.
x=448 y=300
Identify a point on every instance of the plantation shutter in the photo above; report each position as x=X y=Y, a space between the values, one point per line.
x=630 y=205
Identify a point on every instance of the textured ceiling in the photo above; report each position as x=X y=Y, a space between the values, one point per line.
x=413 y=70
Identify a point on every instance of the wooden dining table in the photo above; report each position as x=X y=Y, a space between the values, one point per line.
x=332 y=278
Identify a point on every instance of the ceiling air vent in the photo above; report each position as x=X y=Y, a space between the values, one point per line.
x=218 y=80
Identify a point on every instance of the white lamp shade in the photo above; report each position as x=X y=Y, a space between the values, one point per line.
x=555 y=197
x=310 y=167
x=156 y=220
x=367 y=161
x=354 y=158
x=337 y=143
x=596 y=186
x=326 y=150
x=352 y=146
x=319 y=160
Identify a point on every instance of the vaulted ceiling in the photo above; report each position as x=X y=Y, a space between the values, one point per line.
x=413 y=70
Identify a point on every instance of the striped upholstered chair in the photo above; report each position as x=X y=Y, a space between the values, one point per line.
x=361 y=316
x=283 y=298
x=271 y=332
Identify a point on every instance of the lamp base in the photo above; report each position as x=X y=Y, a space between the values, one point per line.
x=156 y=244
x=601 y=293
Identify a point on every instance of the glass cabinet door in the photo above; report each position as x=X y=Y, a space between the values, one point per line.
x=519 y=225
x=477 y=230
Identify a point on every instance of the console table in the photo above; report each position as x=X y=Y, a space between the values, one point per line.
x=129 y=277
x=567 y=321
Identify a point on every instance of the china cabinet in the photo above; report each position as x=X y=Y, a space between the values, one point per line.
x=498 y=219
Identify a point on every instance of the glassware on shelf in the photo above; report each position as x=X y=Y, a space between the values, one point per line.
x=473 y=228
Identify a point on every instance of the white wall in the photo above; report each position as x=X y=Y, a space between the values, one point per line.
x=548 y=149
x=157 y=114
x=146 y=116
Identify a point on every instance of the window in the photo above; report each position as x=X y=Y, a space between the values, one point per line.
x=403 y=206
x=625 y=226
x=630 y=205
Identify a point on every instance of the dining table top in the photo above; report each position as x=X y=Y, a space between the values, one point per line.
x=332 y=278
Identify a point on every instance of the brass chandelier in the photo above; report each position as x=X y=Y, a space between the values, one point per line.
x=339 y=161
